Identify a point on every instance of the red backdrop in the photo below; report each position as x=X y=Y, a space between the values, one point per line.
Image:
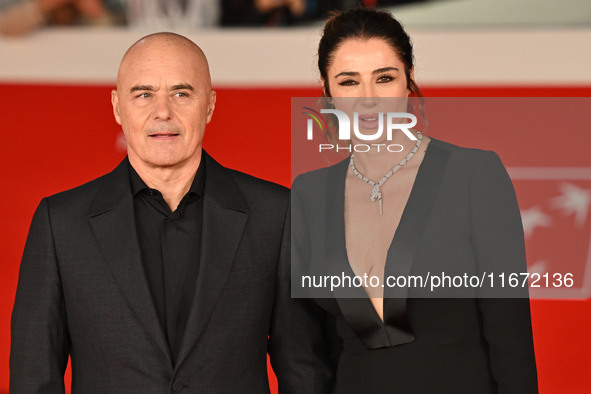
x=57 y=137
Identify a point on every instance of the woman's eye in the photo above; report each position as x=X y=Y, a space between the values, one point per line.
x=385 y=79
x=348 y=82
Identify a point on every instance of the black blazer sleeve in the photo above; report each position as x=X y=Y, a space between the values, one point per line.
x=297 y=344
x=498 y=243
x=40 y=340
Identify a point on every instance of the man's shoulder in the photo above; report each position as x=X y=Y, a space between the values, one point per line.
x=237 y=190
x=251 y=184
x=84 y=194
x=263 y=198
x=79 y=191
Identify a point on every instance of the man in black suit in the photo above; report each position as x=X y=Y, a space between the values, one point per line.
x=171 y=273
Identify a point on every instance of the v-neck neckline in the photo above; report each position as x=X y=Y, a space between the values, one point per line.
x=356 y=306
x=351 y=271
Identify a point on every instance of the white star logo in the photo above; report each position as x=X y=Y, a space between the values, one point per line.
x=532 y=218
x=573 y=201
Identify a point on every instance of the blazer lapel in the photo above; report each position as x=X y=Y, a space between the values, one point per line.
x=353 y=302
x=402 y=251
x=224 y=219
x=359 y=312
x=112 y=220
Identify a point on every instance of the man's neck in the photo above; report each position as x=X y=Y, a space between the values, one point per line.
x=173 y=182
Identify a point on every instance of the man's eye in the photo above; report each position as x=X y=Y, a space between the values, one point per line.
x=348 y=82
x=144 y=95
x=181 y=94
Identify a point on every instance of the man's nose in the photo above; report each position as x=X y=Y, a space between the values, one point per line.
x=162 y=109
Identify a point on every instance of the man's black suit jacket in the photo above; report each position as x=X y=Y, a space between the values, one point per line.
x=82 y=292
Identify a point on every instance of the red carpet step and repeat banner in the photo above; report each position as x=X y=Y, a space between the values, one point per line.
x=58 y=131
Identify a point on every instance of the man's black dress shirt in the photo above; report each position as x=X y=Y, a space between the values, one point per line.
x=170 y=244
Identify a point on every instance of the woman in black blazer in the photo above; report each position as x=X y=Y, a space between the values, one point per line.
x=429 y=208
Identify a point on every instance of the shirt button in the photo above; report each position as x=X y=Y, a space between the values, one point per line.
x=177 y=386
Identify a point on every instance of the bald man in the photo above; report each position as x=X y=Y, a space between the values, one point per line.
x=171 y=273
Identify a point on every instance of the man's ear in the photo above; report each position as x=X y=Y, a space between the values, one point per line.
x=115 y=103
x=211 y=105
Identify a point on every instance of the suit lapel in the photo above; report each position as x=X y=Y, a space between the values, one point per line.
x=224 y=219
x=402 y=251
x=359 y=312
x=113 y=223
x=353 y=302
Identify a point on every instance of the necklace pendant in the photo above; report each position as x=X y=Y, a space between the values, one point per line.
x=375 y=193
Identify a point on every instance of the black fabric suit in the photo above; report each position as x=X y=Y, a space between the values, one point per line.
x=82 y=291
x=462 y=214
